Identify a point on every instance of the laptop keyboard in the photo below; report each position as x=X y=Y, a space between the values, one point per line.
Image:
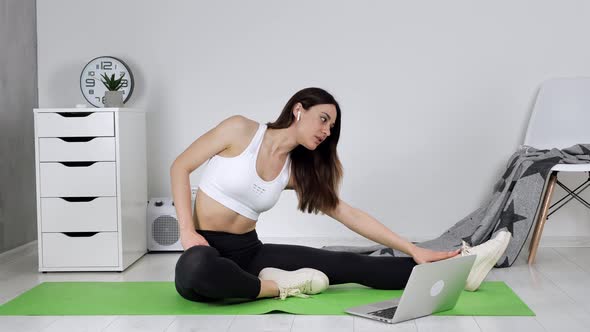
x=385 y=313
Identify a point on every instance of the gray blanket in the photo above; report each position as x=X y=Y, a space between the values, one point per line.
x=513 y=205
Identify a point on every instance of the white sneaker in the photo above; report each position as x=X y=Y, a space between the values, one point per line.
x=488 y=254
x=297 y=283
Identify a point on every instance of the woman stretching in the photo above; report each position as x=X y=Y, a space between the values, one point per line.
x=250 y=164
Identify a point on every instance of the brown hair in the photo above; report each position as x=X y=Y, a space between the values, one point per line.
x=318 y=173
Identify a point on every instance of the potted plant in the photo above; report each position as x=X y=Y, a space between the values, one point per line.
x=113 y=97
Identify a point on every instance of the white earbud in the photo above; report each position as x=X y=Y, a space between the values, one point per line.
x=298 y=115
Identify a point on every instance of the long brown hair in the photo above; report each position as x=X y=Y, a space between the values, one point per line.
x=318 y=173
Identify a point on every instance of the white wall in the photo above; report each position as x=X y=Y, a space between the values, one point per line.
x=435 y=95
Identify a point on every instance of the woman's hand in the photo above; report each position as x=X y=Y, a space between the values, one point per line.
x=190 y=239
x=422 y=255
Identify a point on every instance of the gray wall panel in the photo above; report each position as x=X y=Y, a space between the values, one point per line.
x=18 y=97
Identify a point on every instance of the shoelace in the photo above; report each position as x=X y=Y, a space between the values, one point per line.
x=295 y=290
x=465 y=248
x=285 y=292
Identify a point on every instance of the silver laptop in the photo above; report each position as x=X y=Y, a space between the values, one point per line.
x=432 y=287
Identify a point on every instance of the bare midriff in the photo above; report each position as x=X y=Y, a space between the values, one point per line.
x=208 y=214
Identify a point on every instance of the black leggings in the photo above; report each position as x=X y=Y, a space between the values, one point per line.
x=229 y=267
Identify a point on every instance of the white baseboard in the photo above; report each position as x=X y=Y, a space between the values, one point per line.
x=546 y=241
x=30 y=248
x=564 y=241
x=20 y=251
x=318 y=241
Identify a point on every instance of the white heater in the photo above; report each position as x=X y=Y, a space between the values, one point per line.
x=163 y=230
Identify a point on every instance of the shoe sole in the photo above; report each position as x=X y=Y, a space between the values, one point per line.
x=481 y=272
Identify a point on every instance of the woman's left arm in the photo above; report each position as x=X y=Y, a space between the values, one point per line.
x=362 y=223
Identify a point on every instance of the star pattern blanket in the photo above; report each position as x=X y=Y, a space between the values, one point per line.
x=513 y=205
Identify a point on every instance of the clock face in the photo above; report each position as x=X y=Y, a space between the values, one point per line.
x=91 y=79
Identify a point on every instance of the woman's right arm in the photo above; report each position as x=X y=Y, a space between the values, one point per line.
x=208 y=145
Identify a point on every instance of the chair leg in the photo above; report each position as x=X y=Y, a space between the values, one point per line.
x=542 y=218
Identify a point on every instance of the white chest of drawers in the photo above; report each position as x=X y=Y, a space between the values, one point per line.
x=91 y=188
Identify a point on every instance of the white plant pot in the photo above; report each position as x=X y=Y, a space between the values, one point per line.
x=113 y=99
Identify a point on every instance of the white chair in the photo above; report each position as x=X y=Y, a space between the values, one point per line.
x=559 y=119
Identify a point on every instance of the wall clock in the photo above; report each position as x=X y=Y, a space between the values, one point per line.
x=91 y=76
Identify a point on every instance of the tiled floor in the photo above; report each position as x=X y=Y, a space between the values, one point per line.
x=555 y=288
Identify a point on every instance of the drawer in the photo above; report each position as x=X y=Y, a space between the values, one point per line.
x=64 y=124
x=75 y=179
x=79 y=214
x=77 y=149
x=80 y=249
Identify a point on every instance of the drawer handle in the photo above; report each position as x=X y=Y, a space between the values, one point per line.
x=74 y=114
x=77 y=139
x=79 y=199
x=77 y=163
x=80 y=234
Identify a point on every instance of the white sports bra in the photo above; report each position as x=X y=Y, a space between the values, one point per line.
x=235 y=183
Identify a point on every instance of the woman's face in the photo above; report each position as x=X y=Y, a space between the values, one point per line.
x=315 y=124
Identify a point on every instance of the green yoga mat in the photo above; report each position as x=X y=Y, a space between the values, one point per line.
x=160 y=298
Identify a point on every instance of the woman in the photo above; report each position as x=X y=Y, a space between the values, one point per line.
x=250 y=164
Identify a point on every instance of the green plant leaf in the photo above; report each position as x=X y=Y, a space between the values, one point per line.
x=110 y=83
x=105 y=79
